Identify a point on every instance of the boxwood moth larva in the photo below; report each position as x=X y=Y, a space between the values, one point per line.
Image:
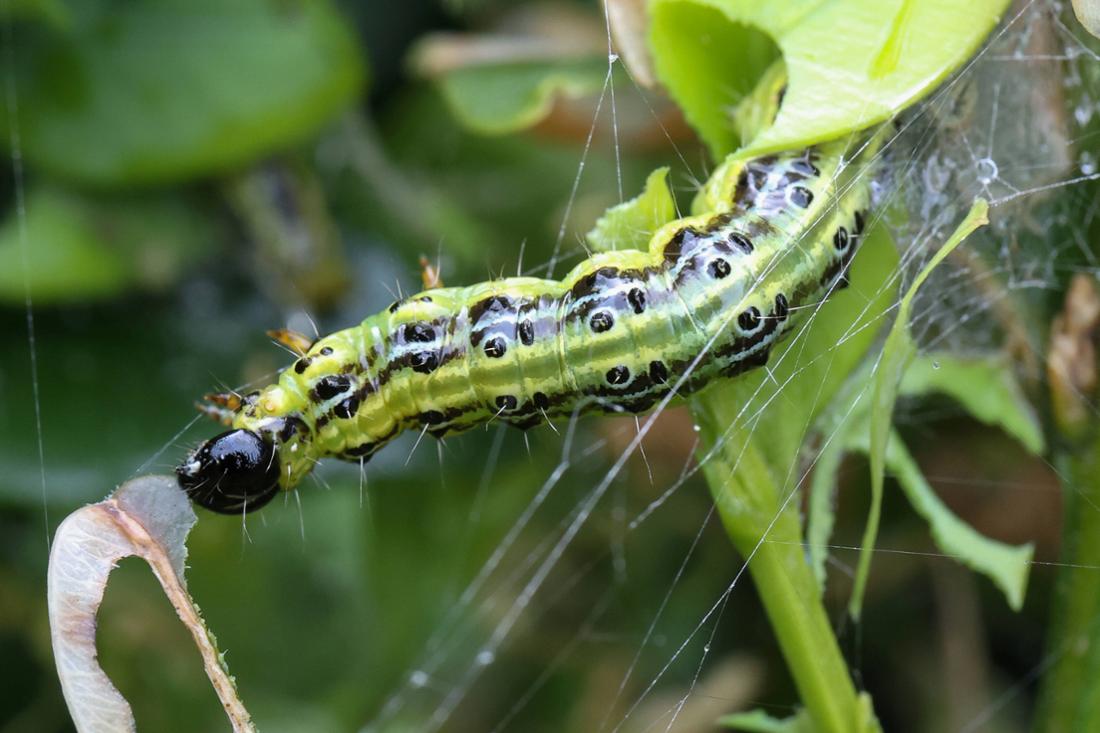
x=707 y=300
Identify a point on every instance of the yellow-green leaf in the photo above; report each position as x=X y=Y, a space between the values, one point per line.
x=631 y=224
x=847 y=68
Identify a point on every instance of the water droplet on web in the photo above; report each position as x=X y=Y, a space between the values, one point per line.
x=419 y=678
x=1082 y=113
x=485 y=657
x=1087 y=163
x=987 y=171
x=696 y=428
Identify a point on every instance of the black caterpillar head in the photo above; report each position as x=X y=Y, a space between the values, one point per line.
x=231 y=473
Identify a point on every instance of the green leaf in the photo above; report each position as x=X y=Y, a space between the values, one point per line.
x=631 y=224
x=821 y=504
x=134 y=93
x=81 y=247
x=987 y=389
x=501 y=98
x=848 y=68
x=897 y=352
x=757 y=721
x=1006 y=565
x=709 y=58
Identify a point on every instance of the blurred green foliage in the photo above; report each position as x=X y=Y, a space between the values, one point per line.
x=508 y=97
x=96 y=246
x=125 y=94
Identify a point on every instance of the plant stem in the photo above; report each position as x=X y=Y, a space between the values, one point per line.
x=1068 y=699
x=766 y=531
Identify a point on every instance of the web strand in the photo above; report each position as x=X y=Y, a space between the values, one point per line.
x=11 y=97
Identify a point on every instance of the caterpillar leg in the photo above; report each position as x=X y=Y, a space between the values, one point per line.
x=298 y=343
x=429 y=274
x=220 y=406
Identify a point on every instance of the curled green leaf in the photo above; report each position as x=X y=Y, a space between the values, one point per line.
x=631 y=224
x=847 y=68
x=987 y=390
x=1006 y=565
x=897 y=352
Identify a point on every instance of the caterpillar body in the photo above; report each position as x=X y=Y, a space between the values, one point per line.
x=708 y=299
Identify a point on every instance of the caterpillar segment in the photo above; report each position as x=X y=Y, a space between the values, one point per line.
x=708 y=299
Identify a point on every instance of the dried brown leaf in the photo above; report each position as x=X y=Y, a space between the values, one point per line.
x=148 y=517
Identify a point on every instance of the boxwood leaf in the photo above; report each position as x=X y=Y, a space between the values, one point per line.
x=847 y=68
x=631 y=224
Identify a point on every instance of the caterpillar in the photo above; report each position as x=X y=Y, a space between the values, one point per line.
x=708 y=299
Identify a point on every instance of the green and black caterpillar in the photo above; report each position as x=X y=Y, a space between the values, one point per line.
x=708 y=299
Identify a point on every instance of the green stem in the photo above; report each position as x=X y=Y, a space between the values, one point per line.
x=768 y=534
x=1068 y=699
